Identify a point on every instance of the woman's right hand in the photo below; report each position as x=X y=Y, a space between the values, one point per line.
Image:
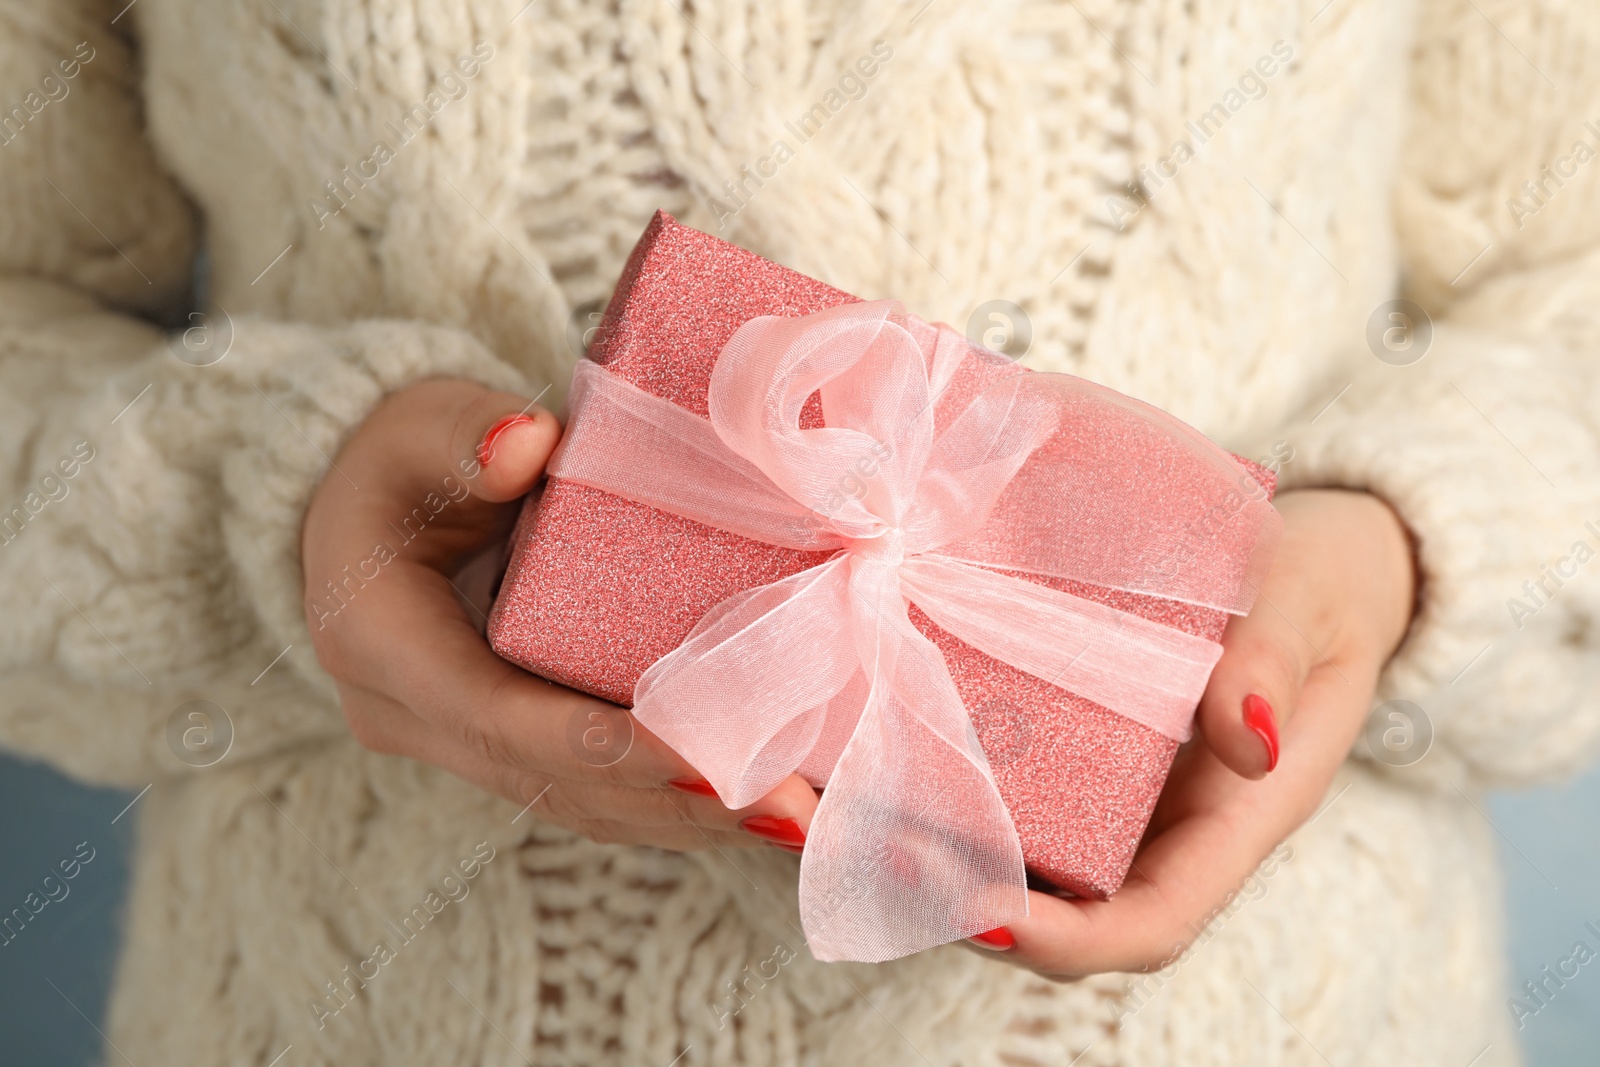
x=416 y=677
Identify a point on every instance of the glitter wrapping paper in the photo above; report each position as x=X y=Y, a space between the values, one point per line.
x=599 y=587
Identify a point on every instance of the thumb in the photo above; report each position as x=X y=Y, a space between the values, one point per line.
x=508 y=440
x=1253 y=691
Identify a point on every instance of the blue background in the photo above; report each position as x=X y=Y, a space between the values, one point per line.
x=1553 y=834
x=1546 y=836
x=73 y=942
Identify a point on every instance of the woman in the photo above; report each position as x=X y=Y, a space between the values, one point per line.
x=410 y=214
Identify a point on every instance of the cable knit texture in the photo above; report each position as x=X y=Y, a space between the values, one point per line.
x=1176 y=223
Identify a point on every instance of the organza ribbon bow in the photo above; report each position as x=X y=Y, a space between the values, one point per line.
x=930 y=477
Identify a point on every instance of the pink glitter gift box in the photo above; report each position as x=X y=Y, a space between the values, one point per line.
x=600 y=587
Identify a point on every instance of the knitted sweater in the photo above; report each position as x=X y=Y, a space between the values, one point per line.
x=1205 y=204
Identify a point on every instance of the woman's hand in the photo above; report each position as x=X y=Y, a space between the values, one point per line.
x=1283 y=707
x=434 y=476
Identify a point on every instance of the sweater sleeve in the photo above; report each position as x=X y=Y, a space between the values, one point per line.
x=1482 y=428
x=149 y=544
x=153 y=482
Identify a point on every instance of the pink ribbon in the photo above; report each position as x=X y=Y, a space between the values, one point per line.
x=930 y=477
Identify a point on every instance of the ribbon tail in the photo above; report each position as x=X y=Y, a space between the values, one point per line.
x=746 y=697
x=838 y=723
x=911 y=846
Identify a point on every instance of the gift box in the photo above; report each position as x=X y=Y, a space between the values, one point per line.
x=600 y=587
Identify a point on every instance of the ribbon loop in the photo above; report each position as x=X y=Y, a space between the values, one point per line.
x=937 y=469
x=875 y=401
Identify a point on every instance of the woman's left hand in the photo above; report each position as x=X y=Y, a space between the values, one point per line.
x=1283 y=707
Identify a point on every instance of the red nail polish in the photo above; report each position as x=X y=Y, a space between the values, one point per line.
x=1259 y=718
x=999 y=939
x=778 y=831
x=486 y=448
x=698 y=786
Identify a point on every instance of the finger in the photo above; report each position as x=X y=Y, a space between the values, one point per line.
x=405 y=636
x=450 y=701
x=428 y=657
x=422 y=435
x=1175 y=881
x=1253 y=692
x=781 y=818
x=1181 y=879
x=506 y=439
x=411 y=472
x=680 y=838
x=596 y=809
x=1202 y=862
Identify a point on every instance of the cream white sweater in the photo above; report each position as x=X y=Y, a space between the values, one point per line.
x=1201 y=203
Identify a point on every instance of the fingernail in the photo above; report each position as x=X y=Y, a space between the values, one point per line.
x=698 y=786
x=486 y=448
x=1259 y=718
x=778 y=831
x=999 y=939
